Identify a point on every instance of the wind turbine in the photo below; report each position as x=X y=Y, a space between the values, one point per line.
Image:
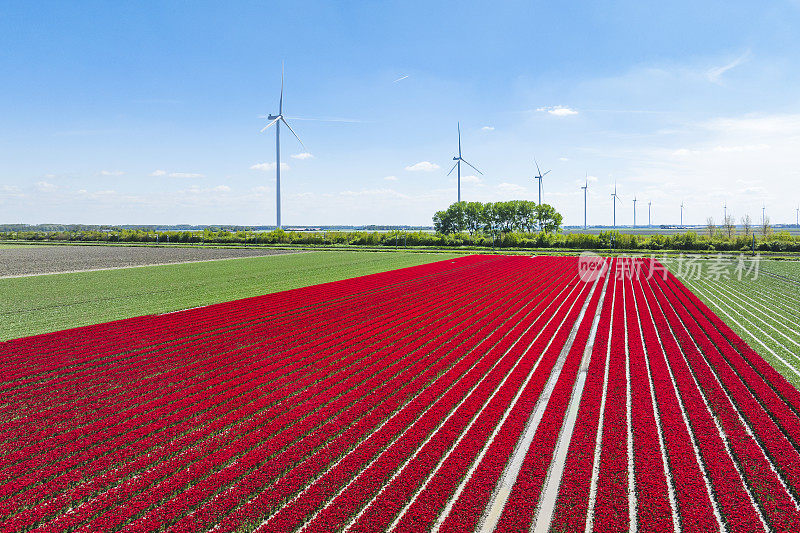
x=276 y=120
x=585 y=190
x=725 y=216
x=681 y=214
x=797 y=217
x=634 y=212
x=539 y=177
x=763 y=213
x=458 y=159
x=649 y=223
x=615 y=198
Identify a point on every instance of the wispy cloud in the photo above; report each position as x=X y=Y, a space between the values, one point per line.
x=559 y=111
x=111 y=173
x=45 y=186
x=158 y=173
x=302 y=155
x=716 y=73
x=510 y=188
x=264 y=167
x=189 y=175
x=390 y=178
x=379 y=193
x=423 y=166
x=471 y=179
x=488 y=128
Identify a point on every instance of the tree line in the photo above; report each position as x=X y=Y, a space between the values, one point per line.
x=780 y=241
x=521 y=216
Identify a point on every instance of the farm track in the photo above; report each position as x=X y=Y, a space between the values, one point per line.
x=484 y=393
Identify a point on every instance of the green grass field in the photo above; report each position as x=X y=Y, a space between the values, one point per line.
x=41 y=304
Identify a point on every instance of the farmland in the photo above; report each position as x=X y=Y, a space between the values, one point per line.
x=41 y=304
x=480 y=393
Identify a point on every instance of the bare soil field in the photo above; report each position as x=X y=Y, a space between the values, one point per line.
x=43 y=259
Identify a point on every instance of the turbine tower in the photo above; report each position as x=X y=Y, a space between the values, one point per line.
x=585 y=189
x=797 y=217
x=634 y=212
x=681 y=214
x=615 y=198
x=649 y=223
x=763 y=213
x=276 y=120
x=458 y=159
x=725 y=216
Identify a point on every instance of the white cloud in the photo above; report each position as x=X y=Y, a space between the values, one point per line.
x=303 y=155
x=716 y=73
x=159 y=173
x=591 y=179
x=111 y=173
x=559 y=110
x=207 y=190
x=261 y=189
x=44 y=186
x=264 y=167
x=510 y=188
x=488 y=128
x=185 y=175
x=471 y=179
x=390 y=178
x=563 y=159
x=379 y=193
x=424 y=166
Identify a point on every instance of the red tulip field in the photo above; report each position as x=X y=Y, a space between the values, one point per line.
x=485 y=393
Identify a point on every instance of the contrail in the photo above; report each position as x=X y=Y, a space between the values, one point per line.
x=400 y=79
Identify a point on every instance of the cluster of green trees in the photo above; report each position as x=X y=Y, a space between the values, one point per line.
x=521 y=216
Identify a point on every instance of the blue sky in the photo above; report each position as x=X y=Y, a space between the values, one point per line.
x=148 y=112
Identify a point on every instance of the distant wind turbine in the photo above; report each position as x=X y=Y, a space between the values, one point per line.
x=681 y=214
x=649 y=222
x=276 y=120
x=585 y=190
x=725 y=215
x=634 y=212
x=539 y=177
x=458 y=159
x=763 y=213
x=615 y=198
x=797 y=217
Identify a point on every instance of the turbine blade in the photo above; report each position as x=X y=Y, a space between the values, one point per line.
x=452 y=169
x=459 y=139
x=293 y=133
x=270 y=124
x=538 y=172
x=470 y=164
x=280 y=104
x=546 y=173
